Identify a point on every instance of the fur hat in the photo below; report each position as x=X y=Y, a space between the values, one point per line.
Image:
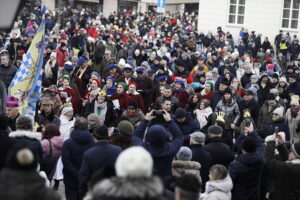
x=134 y=162
x=12 y=102
x=279 y=111
x=126 y=128
x=184 y=154
x=215 y=129
x=93 y=120
x=198 y=137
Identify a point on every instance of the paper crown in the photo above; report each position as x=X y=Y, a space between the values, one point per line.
x=102 y=93
x=247 y=113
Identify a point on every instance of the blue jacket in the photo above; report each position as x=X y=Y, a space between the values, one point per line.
x=106 y=155
x=246 y=170
x=72 y=154
x=189 y=126
x=160 y=146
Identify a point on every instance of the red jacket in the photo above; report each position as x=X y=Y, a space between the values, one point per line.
x=60 y=57
x=182 y=96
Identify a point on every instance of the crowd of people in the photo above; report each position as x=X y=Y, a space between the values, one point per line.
x=140 y=106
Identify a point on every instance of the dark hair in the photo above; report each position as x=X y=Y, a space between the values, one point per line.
x=189 y=186
x=249 y=145
x=81 y=124
x=24 y=123
x=51 y=130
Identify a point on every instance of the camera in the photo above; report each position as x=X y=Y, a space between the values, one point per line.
x=158 y=112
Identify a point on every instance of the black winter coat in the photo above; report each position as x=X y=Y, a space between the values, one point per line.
x=220 y=152
x=245 y=172
x=106 y=155
x=7 y=74
x=286 y=175
x=269 y=128
x=5 y=145
x=204 y=158
x=72 y=155
x=189 y=126
x=254 y=109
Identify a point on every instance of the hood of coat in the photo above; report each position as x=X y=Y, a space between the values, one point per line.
x=29 y=134
x=224 y=185
x=157 y=136
x=124 y=188
x=186 y=165
x=81 y=136
x=250 y=159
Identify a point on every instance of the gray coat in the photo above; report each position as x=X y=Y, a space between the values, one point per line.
x=231 y=110
x=293 y=123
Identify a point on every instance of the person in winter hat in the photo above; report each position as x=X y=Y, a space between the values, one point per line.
x=20 y=167
x=184 y=165
x=12 y=107
x=187 y=186
x=286 y=172
x=134 y=180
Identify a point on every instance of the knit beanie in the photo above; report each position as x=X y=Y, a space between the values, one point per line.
x=215 y=129
x=126 y=128
x=184 y=154
x=279 y=111
x=123 y=85
x=101 y=132
x=12 y=102
x=134 y=162
x=66 y=108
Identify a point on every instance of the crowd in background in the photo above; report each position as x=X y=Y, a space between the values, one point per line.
x=145 y=106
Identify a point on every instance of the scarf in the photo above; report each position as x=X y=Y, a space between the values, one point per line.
x=100 y=110
x=294 y=111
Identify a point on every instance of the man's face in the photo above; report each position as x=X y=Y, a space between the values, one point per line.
x=120 y=89
x=292 y=80
x=222 y=87
x=248 y=97
x=12 y=112
x=47 y=106
x=168 y=92
x=4 y=60
x=271 y=103
x=166 y=106
x=181 y=120
x=131 y=110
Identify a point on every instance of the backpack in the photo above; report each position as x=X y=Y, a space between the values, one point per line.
x=48 y=162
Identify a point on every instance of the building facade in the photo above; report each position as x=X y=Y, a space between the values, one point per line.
x=262 y=16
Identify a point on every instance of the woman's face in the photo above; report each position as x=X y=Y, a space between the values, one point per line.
x=195 y=99
x=120 y=89
x=108 y=84
x=235 y=81
x=227 y=76
x=177 y=86
x=131 y=89
x=94 y=85
x=207 y=87
x=101 y=99
x=69 y=114
x=281 y=84
x=227 y=96
x=66 y=83
x=202 y=106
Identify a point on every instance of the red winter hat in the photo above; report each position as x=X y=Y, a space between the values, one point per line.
x=98 y=81
x=268 y=59
x=12 y=102
x=132 y=83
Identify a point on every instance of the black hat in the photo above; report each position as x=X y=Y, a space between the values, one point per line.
x=249 y=145
x=294 y=76
x=180 y=113
x=215 y=129
x=271 y=96
x=101 y=132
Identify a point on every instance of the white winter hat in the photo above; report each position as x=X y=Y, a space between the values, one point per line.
x=122 y=62
x=134 y=162
x=279 y=111
x=66 y=109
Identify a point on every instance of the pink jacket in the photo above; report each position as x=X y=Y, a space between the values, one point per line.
x=56 y=142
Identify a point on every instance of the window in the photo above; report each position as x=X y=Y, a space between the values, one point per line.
x=290 y=14
x=236 y=12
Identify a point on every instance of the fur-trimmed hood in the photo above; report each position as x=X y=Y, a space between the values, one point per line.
x=126 y=188
x=186 y=164
x=29 y=134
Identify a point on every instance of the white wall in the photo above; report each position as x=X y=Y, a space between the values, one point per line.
x=263 y=16
x=109 y=6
